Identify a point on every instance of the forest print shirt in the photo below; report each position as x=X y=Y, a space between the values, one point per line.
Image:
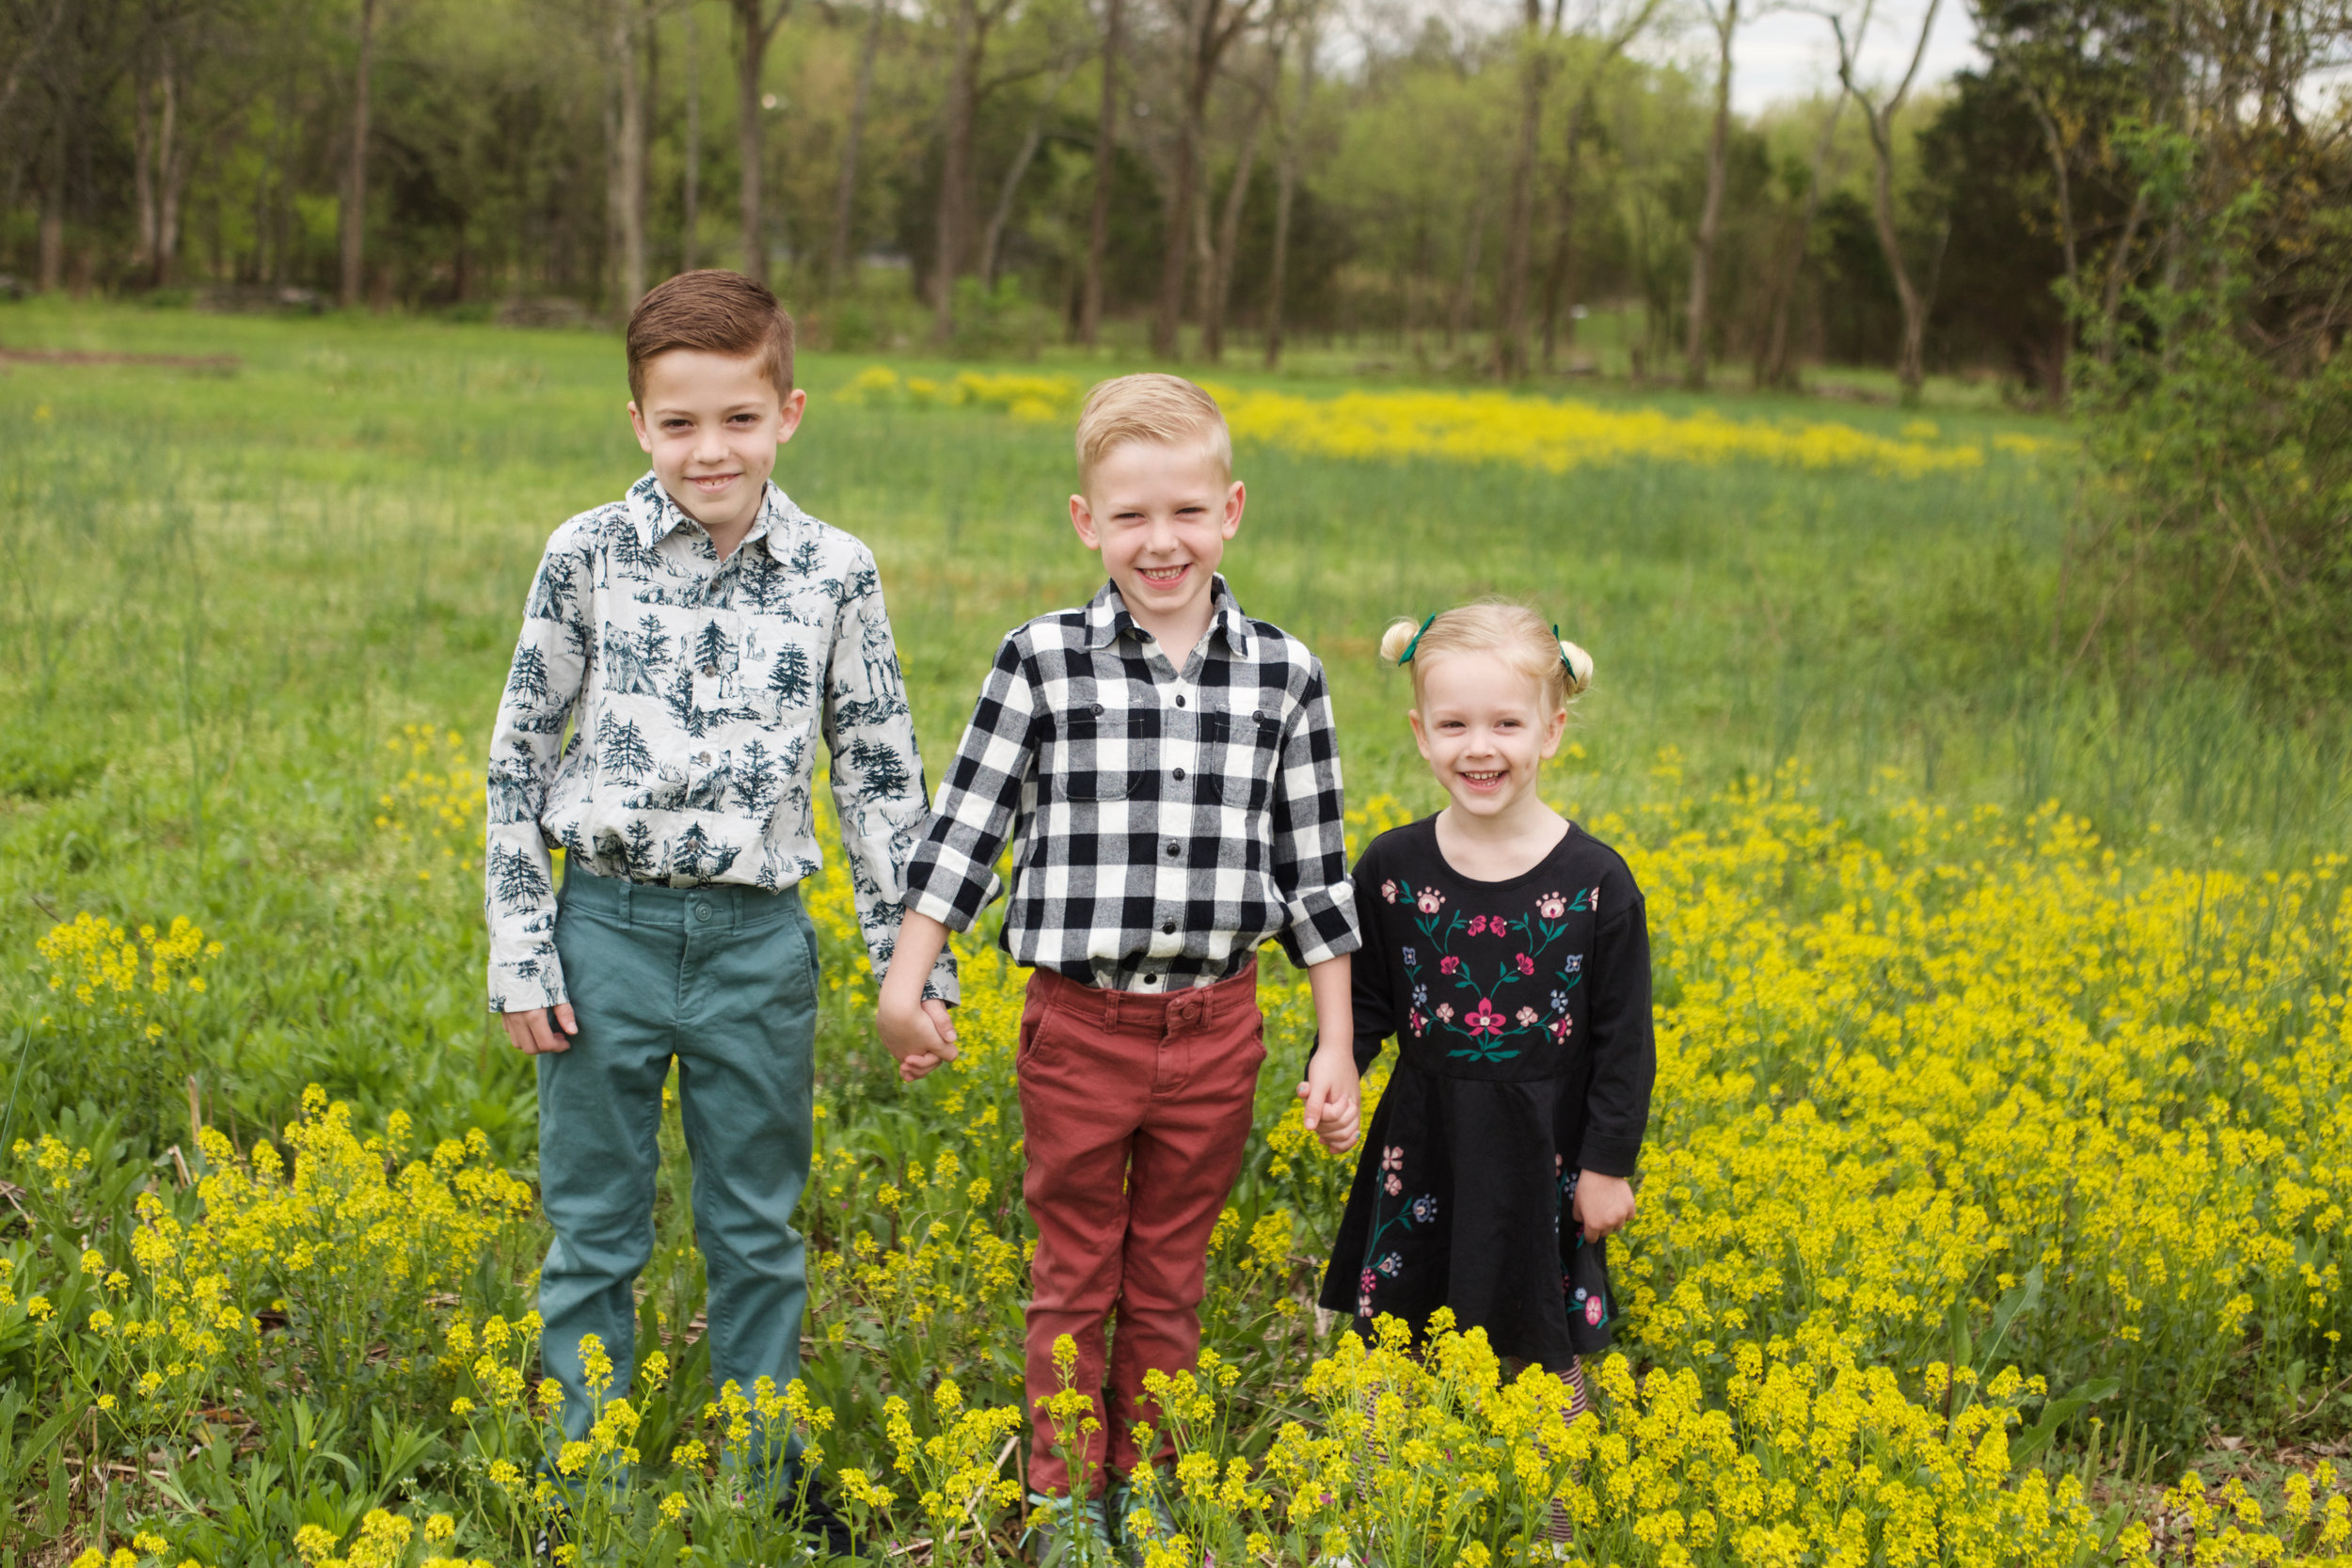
x=696 y=689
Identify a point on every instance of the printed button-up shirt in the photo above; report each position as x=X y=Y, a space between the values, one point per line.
x=1165 y=822
x=696 y=689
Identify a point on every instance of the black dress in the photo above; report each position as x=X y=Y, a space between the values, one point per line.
x=1521 y=1011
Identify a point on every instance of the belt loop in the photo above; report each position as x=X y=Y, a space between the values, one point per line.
x=628 y=912
x=1110 y=1009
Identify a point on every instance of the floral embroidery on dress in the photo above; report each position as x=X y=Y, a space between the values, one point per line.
x=1421 y=1210
x=1592 y=1305
x=1486 y=1028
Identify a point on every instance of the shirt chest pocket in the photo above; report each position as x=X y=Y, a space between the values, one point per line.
x=1099 y=755
x=1239 y=751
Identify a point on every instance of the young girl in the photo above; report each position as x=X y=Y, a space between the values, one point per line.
x=1506 y=950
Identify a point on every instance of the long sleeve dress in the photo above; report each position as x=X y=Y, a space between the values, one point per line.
x=1521 y=1013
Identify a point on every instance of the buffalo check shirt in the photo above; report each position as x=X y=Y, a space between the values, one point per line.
x=1165 y=822
x=695 y=690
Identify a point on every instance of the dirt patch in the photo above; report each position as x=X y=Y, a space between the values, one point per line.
x=85 y=357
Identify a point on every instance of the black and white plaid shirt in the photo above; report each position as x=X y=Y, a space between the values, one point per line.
x=1165 y=823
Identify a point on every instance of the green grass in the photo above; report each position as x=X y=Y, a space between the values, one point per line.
x=226 y=589
x=226 y=593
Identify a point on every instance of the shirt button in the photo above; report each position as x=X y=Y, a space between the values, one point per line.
x=710 y=668
x=1169 y=929
x=1151 y=979
x=1174 y=849
x=1179 y=775
x=1180 y=702
x=1096 y=710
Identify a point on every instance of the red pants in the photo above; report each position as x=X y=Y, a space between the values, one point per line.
x=1136 y=1109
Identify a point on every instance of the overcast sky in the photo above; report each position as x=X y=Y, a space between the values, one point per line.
x=1783 y=55
x=1791 y=54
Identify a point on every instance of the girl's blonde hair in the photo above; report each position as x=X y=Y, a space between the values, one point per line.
x=1513 y=632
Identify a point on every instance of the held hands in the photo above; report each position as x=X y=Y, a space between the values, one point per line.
x=530 y=1032
x=1603 y=1204
x=920 y=1037
x=1330 y=1094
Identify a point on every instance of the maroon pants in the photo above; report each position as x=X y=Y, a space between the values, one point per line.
x=1134 y=1110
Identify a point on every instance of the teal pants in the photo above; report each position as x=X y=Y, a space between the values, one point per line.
x=725 y=980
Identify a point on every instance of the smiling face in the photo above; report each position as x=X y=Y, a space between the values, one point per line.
x=1160 y=515
x=712 y=422
x=1485 y=729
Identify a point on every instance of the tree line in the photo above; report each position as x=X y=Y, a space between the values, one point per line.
x=1456 y=185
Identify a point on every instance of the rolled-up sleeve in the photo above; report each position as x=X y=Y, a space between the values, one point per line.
x=877 y=769
x=1311 y=834
x=952 y=878
x=543 y=686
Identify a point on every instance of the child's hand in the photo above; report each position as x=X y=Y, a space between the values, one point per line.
x=920 y=1039
x=1603 y=1204
x=1330 y=1094
x=530 y=1032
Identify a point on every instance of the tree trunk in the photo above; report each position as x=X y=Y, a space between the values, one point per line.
x=1285 y=193
x=143 y=174
x=955 y=166
x=52 y=243
x=2118 y=272
x=1106 y=157
x=1031 y=139
x=1175 y=258
x=1457 y=320
x=1519 y=225
x=628 y=154
x=1910 y=367
x=754 y=32
x=27 y=56
x=1209 y=28
x=1772 y=366
x=1712 y=210
x=1559 y=274
x=1228 y=225
x=690 y=184
x=1203 y=249
x=845 y=189
x=354 y=214
x=1909 y=364
x=171 y=173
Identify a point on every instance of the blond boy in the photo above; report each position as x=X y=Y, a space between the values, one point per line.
x=1166 y=772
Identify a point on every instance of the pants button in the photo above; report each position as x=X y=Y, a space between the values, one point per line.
x=702 y=911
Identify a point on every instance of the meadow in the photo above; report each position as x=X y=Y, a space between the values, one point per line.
x=1997 y=1189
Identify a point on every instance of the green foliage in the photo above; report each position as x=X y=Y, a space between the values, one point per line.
x=2218 y=514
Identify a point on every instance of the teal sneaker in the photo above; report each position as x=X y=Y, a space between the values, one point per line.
x=1123 y=1502
x=1066 y=1534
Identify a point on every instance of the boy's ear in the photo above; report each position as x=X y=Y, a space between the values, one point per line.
x=1082 y=518
x=637 y=423
x=1236 y=497
x=788 y=414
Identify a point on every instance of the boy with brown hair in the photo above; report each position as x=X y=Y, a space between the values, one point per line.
x=695 y=638
x=1166 y=771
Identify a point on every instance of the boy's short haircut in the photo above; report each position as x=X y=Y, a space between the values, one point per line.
x=1150 y=407
x=715 y=311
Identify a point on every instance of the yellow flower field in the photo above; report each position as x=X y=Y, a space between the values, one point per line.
x=1552 y=435
x=1988 y=1163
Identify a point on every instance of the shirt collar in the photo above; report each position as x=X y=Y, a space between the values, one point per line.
x=657 y=515
x=1107 y=617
